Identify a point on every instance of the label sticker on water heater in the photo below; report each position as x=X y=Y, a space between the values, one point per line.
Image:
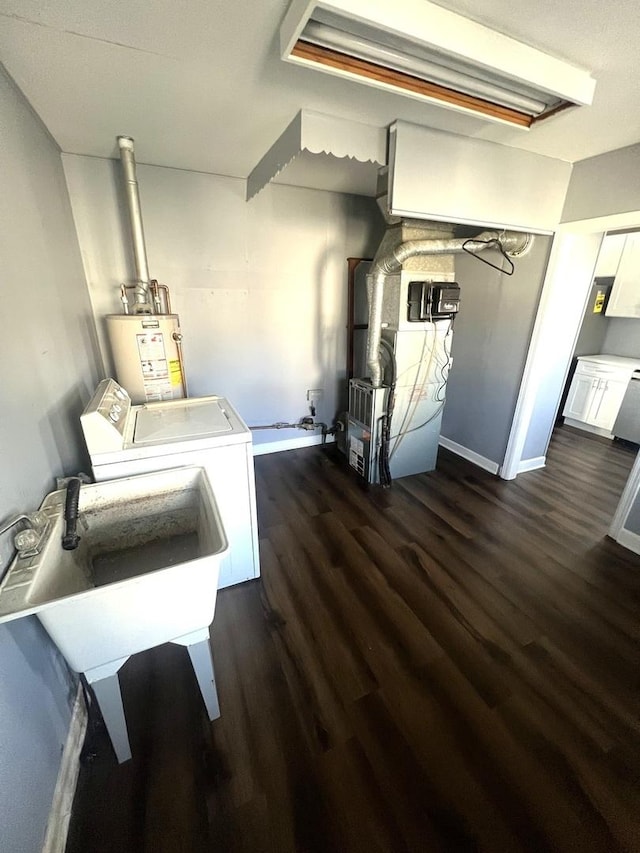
x=153 y=359
x=175 y=372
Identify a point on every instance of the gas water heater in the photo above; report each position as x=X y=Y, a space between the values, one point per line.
x=147 y=355
x=145 y=340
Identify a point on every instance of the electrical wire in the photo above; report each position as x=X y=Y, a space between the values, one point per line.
x=417 y=390
x=412 y=366
x=420 y=363
x=420 y=387
x=437 y=397
x=431 y=417
x=444 y=369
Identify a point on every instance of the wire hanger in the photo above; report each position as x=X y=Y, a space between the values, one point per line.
x=496 y=244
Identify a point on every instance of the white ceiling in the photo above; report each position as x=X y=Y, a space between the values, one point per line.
x=199 y=83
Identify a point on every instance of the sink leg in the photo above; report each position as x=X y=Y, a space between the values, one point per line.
x=200 y=653
x=106 y=686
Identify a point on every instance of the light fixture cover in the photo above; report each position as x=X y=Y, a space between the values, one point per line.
x=420 y=50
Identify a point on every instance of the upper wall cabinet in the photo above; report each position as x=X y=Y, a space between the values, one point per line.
x=625 y=294
x=610 y=254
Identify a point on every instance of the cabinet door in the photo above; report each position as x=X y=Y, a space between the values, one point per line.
x=625 y=294
x=610 y=254
x=606 y=403
x=580 y=398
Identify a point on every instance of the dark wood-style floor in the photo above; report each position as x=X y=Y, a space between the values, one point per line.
x=449 y=665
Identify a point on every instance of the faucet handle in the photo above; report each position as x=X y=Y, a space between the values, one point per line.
x=26 y=542
x=38 y=520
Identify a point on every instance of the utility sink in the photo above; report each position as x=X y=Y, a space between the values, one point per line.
x=145 y=573
x=145 y=570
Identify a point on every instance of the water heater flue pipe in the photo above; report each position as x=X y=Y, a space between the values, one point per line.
x=512 y=242
x=125 y=144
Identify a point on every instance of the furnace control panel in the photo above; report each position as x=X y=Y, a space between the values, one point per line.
x=432 y=299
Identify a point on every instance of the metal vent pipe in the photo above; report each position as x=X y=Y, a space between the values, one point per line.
x=141 y=293
x=512 y=242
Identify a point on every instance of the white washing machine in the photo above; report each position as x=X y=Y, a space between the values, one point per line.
x=123 y=440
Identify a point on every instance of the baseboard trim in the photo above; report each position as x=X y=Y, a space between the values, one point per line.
x=289 y=444
x=469 y=455
x=594 y=430
x=55 y=840
x=532 y=464
x=629 y=540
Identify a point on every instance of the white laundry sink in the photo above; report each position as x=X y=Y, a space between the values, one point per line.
x=145 y=571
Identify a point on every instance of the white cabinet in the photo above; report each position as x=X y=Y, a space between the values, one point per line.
x=606 y=403
x=625 y=294
x=596 y=394
x=610 y=254
x=580 y=399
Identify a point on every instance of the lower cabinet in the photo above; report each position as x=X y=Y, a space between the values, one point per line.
x=580 y=399
x=594 y=400
x=606 y=403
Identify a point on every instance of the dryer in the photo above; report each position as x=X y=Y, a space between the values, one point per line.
x=125 y=439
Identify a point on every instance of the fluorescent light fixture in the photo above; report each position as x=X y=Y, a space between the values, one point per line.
x=418 y=49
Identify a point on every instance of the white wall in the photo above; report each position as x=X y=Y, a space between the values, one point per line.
x=48 y=372
x=260 y=286
x=622 y=337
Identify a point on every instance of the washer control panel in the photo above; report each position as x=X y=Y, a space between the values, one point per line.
x=103 y=420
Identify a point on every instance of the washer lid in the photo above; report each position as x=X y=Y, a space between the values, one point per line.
x=181 y=420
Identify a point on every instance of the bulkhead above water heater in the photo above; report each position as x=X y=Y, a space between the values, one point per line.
x=147 y=355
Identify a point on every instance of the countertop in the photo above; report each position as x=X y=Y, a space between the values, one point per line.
x=620 y=361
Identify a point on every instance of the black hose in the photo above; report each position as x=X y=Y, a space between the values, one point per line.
x=70 y=538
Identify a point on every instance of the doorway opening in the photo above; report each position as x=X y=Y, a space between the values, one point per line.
x=565 y=294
